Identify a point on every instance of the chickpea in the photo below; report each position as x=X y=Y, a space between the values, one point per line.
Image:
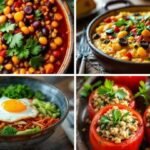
x=31 y=70
x=116 y=46
x=49 y=68
x=43 y=40
x=22 y=71
x=10 y=2
x=8 y=66
x=31 y=28
x=19 y=16
x=146 y=33
x=58 y=41
x=1 y=59
x=16 y=72
x=54 y=24
x=21 y=24
x=25 y=30
x=58 y=16
x=15 y=60
x=52 y=59
x=53 y=45
x=122 y=34
x=100 y=29
x=2 y=19
x=6 y=10
x=141 y=52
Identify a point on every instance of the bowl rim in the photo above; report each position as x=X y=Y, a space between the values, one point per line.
x=99 y=51
x=36 y=135
x=69 y=51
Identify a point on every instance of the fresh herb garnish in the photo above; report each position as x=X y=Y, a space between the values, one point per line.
x=116 y=115
x=107 y=89
x=87 y=88
x=36 y=61
x=2 y=5
x=38 y=14
x=120 y=22
x=8 y=131
x=140 y=27
x=144 y=92
x=7 y=27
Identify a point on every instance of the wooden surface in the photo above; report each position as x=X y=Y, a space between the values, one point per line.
x=59 y=140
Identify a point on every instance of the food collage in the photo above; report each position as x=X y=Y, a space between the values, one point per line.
x=74 y=74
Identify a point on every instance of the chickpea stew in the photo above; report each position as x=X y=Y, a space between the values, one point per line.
x=125 y=36
x=34 y=36
x=117 y=125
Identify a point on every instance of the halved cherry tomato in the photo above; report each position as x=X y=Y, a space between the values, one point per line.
x=91 y=109
x=147 y=129
x=3 y=53
x=108 y=20
x=99 y=143
x=132 y=82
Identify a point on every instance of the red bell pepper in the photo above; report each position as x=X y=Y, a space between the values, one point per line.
x=99 y=143
x=147 y=129
x=91 y=109
x=132 y=82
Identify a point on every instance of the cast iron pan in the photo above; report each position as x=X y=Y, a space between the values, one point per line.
x=83 y=121
x=109 y=63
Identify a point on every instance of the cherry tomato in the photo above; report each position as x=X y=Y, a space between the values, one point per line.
x=99 y=143
x=147 y=129
x=117 y=29
x=107 y=20
x=129 y=55
x=91 y=109
x=132 y=82
x=3 y=53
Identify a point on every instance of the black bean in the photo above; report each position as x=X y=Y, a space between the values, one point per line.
x=123 y=42
x=106 y=41
x=144 y=44
x=45 y=31
x=36 y=24
x=28 y=10
x=96 y=36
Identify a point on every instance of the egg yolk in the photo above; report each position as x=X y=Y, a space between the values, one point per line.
x=14 y=106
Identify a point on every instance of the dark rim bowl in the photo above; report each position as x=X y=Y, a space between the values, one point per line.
x=109 y=63
x=53 y=94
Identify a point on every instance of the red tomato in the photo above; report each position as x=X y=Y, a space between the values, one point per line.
x=107 y=20
x=91 y=110
x=117 y=29
x=132 y=82
x=99 y=143
x=147 y=129
x=3 y=53
x=129 y=55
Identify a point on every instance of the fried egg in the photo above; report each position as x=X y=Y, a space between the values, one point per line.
x=12 y=110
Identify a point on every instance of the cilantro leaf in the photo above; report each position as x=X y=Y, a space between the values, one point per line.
x=14 y=40
x=7 y=27
x=2 y=5
x=38 y=14
x=120 y=94
x=116 y=115
x=36 y=61
x=120 y=22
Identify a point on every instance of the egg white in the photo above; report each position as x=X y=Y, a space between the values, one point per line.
x=30 y=112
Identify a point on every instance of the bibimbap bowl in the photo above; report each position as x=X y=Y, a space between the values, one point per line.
x=53 y=95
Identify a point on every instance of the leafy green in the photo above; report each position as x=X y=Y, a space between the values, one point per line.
x=7 y=27
x=18 y=91
x=36 y=61
x=121 y=22
x=15 y=40
x=47 y=108
x=8 y=131
x=144 y=92
x=140 y=27
x=116 y=114
x=87 y=88
x=107 y=89
x=38 y=14
x=29 y=131
x=2 y=5
x=39 y=95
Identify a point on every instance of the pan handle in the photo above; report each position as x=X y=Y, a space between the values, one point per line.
x=113 y=2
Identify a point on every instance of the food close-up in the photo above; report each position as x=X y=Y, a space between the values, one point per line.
x=35 y=114
x=113 y=113
x=35 y=36
x=115 y=32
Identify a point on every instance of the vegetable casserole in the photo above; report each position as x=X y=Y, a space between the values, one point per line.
x=125 y=36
